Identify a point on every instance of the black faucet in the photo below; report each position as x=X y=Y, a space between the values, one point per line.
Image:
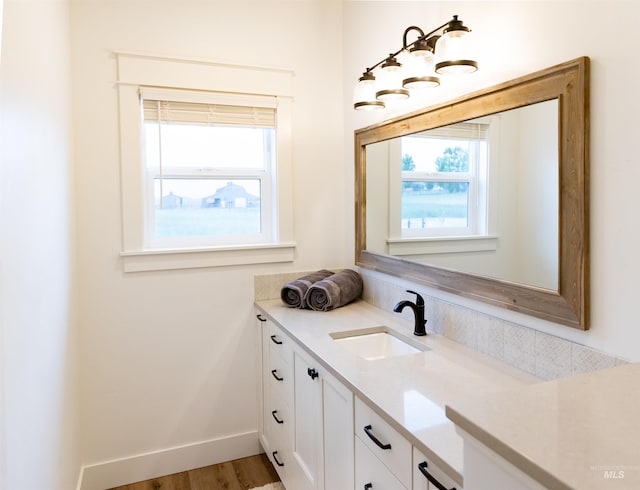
x=418 y=312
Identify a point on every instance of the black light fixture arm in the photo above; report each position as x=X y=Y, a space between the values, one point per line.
x=407 y=31
x=422 y=37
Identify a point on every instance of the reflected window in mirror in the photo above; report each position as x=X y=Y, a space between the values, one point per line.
x=444 y=184
x=479 y=196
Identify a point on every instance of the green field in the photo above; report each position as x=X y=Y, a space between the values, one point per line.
x=434 y=205
x=207 y=221
x=246 y=221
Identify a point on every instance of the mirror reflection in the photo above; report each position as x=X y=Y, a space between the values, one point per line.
x=479 y=196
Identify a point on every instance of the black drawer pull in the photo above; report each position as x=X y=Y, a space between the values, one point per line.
x=259 y=317
x=275 y=458
x=367 y=430
x=273 y=414
x=367 y=486
x=275 y=340
x=423 y=469
x=275 y=375
x=313 y=374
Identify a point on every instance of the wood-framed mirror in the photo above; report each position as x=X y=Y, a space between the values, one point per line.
x=558 y=208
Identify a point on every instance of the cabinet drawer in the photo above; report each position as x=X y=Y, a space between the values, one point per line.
x=280 y=416
x=280 y=345
x=281 y=459
x=369 y=471
x=279 y=413
x=384 y=441
x=422 y=464
x=280 y=374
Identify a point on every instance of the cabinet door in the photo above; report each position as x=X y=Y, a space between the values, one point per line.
x=307 y=440
x=427 y=476
x=337 y=408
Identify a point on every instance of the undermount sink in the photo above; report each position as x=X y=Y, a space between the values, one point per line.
x=377 y=343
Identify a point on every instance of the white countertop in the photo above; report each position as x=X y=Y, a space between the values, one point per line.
x=409 y=391
x=573 y=433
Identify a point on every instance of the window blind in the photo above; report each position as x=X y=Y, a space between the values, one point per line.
x=178 y=112
x=458 y=131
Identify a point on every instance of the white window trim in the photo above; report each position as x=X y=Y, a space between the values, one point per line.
x=148 y=260
x=136 y=70
x=443 y=245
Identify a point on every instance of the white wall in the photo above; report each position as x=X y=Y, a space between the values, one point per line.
x=168 y=357
x=516 y=38
x=38 y=336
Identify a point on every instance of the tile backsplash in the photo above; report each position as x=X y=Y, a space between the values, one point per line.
x=538 y=353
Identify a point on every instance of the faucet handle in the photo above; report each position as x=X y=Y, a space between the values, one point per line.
x=419 y=299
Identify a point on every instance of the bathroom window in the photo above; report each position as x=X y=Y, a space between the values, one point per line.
x=209 y=165
x=206 y=163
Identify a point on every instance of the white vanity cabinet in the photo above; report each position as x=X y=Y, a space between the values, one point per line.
x=306 y=418
x=331 y=393
x=320 y=436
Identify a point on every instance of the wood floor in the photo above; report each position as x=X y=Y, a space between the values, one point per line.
x=240 y=474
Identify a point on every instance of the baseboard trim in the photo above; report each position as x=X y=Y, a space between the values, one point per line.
x=167 y=461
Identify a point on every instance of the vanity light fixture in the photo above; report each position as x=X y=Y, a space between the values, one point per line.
x=416 y=65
